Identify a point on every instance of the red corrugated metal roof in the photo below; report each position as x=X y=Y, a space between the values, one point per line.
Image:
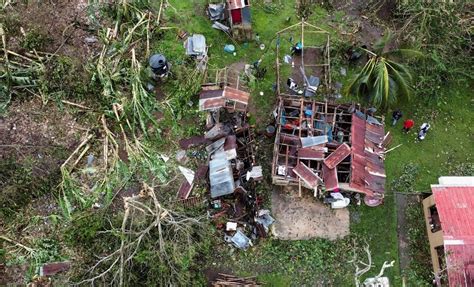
x=367 y=168
x=455 y=207
x=330 y=178
x=311 y=154
x=337 y=156
x=307 y=175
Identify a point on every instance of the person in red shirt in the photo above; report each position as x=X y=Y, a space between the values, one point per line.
x=407 y=125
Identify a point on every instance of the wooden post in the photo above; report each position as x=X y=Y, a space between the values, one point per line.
x=302 y=44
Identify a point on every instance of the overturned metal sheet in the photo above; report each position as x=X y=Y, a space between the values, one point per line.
x=312 y=141
x=337 y=156
x=311 y=153
x=307 y=175
x=195 y=45
x=330 y=178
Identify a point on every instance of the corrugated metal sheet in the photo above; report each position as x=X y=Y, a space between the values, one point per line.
x=220 y=176
x=307 y=175
x=455 y=207
x=311 y=154
x=212 y=98
x=330 y=178
x=367 y=168
x=337 y=156
x=232 y=94
x=312 y=141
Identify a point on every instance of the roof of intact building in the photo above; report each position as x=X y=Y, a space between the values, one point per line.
x=454 y=199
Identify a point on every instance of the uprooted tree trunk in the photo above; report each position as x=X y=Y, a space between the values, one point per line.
x=361 y=267
x=145 y=217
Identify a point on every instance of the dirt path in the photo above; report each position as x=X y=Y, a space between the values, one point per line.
x=402 y=201
x=306 y=217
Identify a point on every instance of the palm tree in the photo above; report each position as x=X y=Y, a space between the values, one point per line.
x=383 y=82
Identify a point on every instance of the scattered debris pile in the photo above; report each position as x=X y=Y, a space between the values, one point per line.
x=196 y=47
x=231 y=173
x=230 y=280
x=329 y=147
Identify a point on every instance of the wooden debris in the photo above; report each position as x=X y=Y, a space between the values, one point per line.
x=231 y=280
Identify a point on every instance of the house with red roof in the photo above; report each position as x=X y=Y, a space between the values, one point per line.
x=449 y=216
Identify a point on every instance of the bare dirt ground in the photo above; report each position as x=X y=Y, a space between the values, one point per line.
x=306 y=217
x=64 y=24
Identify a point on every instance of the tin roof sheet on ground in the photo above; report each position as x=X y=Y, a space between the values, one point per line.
x=220 y=176
x=455 y=205
x=337 y=156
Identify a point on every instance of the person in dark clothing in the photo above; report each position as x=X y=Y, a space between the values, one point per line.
x=396 y=115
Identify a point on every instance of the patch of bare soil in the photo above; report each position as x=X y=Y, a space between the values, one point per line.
x=362 y=16
x=307 y=217
x=30 y=128
x=64 y=24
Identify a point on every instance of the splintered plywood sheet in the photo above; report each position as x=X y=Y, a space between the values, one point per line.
x=301 y=218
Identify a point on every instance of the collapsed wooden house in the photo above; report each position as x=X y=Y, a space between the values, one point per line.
x=322 y=145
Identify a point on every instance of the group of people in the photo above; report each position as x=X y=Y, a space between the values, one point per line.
x=408 y=124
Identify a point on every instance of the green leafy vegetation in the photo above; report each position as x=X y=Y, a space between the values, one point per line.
x=382 y=82
x=133 y=130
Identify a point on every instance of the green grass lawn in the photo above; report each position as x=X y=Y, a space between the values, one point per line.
x=449 y=142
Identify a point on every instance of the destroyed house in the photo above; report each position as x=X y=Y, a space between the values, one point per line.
x=319 y=144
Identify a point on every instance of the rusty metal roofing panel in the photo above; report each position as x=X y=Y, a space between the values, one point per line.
x=373 y=128
x=311 y=154
x=236 y=95
x=290 y=140
x=184 y=190
x=337 y=156
x=330 y=178
x=211 y=104
x=193 y=141
x=307 y=175
x=211 y=98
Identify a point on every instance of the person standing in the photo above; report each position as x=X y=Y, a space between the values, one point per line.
x=396 y=115
x=407 y=125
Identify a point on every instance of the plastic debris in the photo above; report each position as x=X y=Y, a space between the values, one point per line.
x=229 y=48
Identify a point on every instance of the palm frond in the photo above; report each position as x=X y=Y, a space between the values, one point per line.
x=404 y=53
x=380 y=45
